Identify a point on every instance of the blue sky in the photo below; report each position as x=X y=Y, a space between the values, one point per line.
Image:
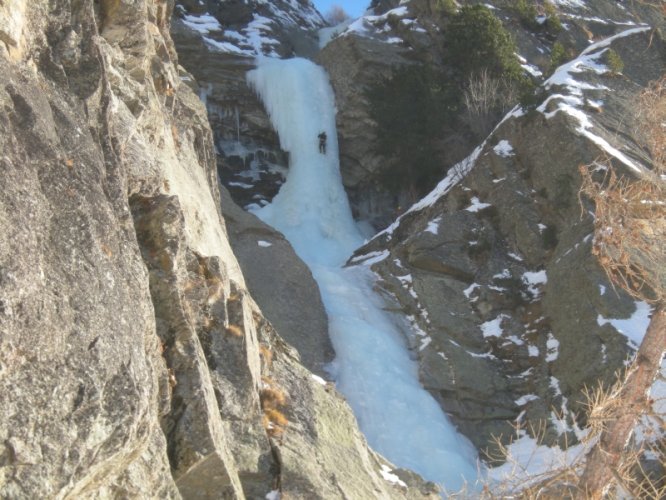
x=353 y=7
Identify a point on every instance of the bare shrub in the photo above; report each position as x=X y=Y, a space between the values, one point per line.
x=336 y=15
x=630 y=214
x=486 y=99
x=629 y=236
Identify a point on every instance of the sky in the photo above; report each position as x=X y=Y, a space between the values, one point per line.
x=352 y=7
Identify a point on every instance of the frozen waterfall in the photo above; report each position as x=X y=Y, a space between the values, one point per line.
x=372 y=369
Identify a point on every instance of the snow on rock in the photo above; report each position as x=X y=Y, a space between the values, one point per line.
x=552 y=348
x=388 y=475
x=318 y=379
x=433 y=225
x=370 y=258
x=264 y=244
x=405 y=279
x=258 y=37
x=523 y=400
x=470 y=289
x=515 y=256
x=505 y=274
x=425 y=342
x=476 y=205
x=203 y=24
x=572 y=103
x=504 y=149
x=251 y=41
x=527 y=462
x=634 y=327
x=241 y=185
x=493 y=328
x=534 y=280
x=370 y=25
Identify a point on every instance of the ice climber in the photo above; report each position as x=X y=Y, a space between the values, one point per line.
x=322 y=143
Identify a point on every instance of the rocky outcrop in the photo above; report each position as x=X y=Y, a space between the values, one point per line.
x=134 y=361
x=494 y=267
x=281 y=284
x=503 y=347
x=250 y=161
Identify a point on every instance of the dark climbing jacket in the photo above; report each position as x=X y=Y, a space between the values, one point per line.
x=322 y=143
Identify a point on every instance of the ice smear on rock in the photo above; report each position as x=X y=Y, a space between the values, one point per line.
x=373 y=368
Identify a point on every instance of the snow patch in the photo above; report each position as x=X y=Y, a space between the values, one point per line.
x=515 y=256
x=371 y=258
x=493 y=328
x=470 y=289
x=387 y=474
x=433 y=225
x=552 y=348
x=528 y=462
x=523 y=400
x=504 y=149
x=634 y=327
x=534 y=280
x=477 y=205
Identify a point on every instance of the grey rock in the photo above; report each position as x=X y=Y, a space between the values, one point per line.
x=322 y=454
x=290 y=299
x=492 y=336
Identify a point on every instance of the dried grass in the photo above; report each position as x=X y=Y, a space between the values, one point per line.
x=630 y=214
x=562 y=481
x=273 y=400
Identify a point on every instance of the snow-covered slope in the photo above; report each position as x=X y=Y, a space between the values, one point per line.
x=251 y=28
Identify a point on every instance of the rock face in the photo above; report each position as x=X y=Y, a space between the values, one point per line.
x=281 y=284
x=218 y=42
x=396 y=34
x=134 y=362
x=495 y=269
x=250 y=162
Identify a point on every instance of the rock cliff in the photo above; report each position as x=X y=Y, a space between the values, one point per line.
x=494 y=267
x=511 y=311
x=135 y=363
x=398 y=34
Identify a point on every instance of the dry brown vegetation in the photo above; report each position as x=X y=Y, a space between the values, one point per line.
x=234 y=330
x=273 y=400
x=629 y=236
x=630 y=214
